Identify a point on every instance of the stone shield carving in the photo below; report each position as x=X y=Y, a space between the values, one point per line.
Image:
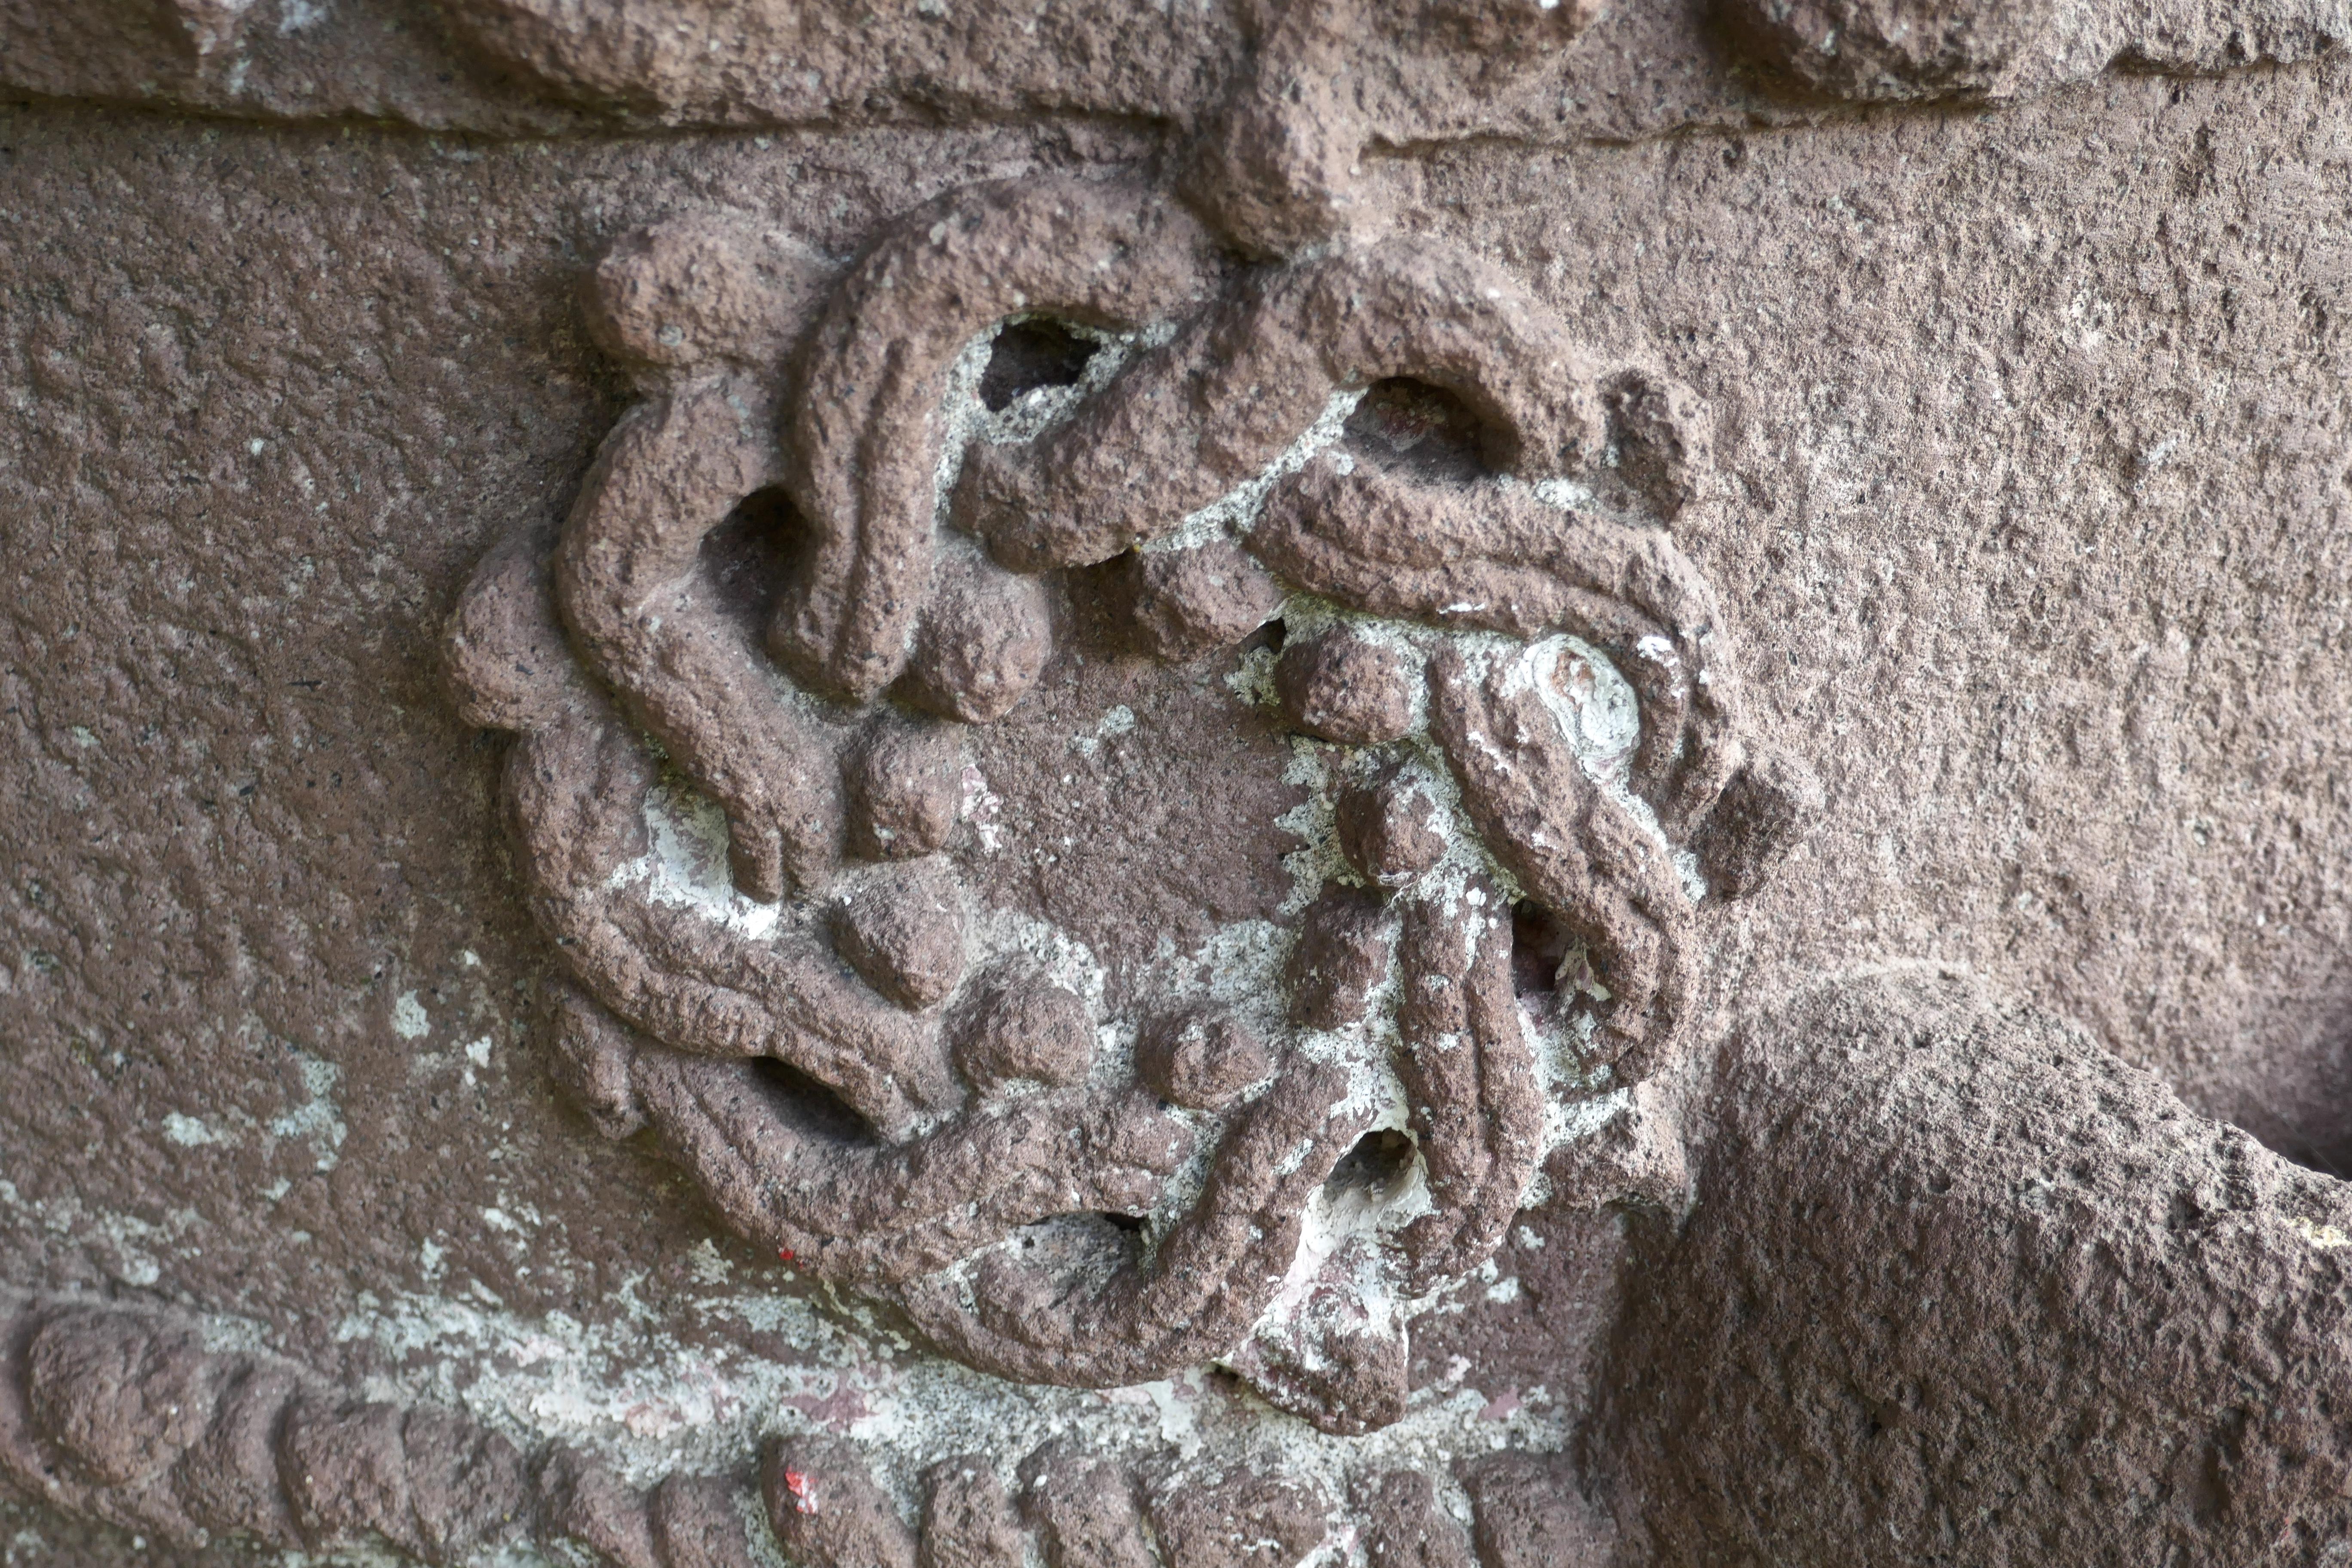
x=736 y=793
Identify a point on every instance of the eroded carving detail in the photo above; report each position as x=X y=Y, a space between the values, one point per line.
x=1063 y=388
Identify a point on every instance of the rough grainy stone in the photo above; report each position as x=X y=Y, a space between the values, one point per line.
x=982 y=645
x=2002 y=1276
x=496 y=489
x=1022 y=1026
x=1178 y=604
x=1242 y=1519
x=1340 y=959
x=904 y=932
x=1201 y=1059
x=1405 y=1528
x=827 y=1511
x=1341 y=687
x=1529 y=1514
x=1086 y=1513
x=903 y=786
x=1391 y=830
x=968 y=1522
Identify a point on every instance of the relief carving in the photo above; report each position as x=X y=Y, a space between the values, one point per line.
x=1421 y=568
x=1027 y=409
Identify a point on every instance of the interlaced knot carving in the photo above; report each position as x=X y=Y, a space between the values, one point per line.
x=1473 y=534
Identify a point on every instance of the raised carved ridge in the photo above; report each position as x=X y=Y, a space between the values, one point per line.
x=1466 y=525
x=137 y=1418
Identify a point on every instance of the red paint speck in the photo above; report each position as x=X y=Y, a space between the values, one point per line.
x=797 y=1482
x=785 y=1253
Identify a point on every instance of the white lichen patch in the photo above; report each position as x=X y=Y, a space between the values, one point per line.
x=192 y=1133
x=408 y=1017
x=2319 y=1238
x=982 y=807
x=686 y=865
x=1118 y=721
x=318 y=1120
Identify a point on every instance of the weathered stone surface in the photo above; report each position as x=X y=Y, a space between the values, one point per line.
x=2018 y=1268
x=904 y=786
x=1178 y=604
x=981 y=645
x=1344 y=688
x=1025 y=1027
x=1086 y=1513
x=968 y=1522
x=1201 y=1060
x=1341 y=961
x=1391 y=829
x=1838 y=535
x=825 y=1508
x=1405 y=1528
x=1241 y=1519
x=904 y=932
x=1529 y=1514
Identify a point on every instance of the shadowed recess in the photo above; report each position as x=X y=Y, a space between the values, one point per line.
x=808 y=1107
x=1376 y=1168
x=747 y=557
x=1539 y=944
x=1418 y=429
x=1027 y=355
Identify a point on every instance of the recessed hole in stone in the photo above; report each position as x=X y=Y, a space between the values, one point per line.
x=1418 y=428
x=1079 y=1251
x=1027 y=355
x=1539 y=943
x=809 y=1106
x=1376 y=1168
x=749 y=556
x=1269 y=637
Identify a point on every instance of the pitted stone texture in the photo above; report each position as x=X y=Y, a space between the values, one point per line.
x=1086 y=1512
x=968 y=1522
x=825 y=1508
x=1201 y=1059
x=123 y=1400
x=1391 y=829
x=1341 y=686
x=1180 y=604
x=903 y=932
x=1943 y=1232
x=1757 y=821
x=1025 y=1027
x=1899 y=48
x=1530 y=1513
x=1415 y=76
x=1405 y=1528
x=904 y=782
x=586 y=1503
x=2146 y=844
x=1341 y=961
x=699 y=1523
x=981 y=645
x=1240 y=1519
x=702 y=290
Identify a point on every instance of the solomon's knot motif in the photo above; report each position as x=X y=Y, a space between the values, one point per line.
x=1528 y=754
